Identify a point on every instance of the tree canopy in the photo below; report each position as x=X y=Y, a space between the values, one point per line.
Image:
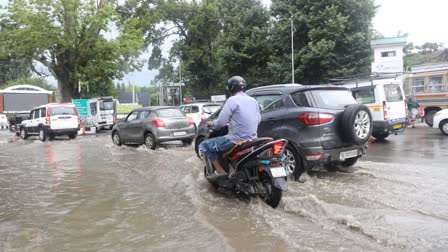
x=72 y=38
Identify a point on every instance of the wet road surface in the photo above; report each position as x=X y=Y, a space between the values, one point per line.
x=89 y=195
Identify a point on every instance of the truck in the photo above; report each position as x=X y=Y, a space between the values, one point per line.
x=103 y=112
x=429 y=85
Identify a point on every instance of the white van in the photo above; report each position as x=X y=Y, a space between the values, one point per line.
x=386 y=101
x=103 y=112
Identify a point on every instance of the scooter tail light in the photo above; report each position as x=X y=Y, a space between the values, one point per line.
x=277 y=148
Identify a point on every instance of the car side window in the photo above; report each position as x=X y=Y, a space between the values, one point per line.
x=269 y=102
x=36 y=113
x=187 y=109
x=144 y=114
x=132 y=116
x=93 y=108
x=194 y=109
x=43 y=112
x=31 y=114
x=300 y=99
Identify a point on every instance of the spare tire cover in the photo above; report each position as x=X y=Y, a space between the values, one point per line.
x=357 y=124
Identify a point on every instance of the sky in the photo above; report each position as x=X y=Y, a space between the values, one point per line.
x=423 y=21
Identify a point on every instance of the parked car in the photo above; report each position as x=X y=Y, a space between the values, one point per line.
x=51 y=120
x=441 y=121
x=153 y=125
x=386 y=101
x=323 y=124
x=199 y=111
x=3 y=121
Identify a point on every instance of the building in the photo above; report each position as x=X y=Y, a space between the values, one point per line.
x=388 y=55
x=23 y=98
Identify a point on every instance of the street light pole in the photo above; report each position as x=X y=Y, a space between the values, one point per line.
x=292 y=49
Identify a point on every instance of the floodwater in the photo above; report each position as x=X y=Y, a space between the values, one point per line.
x=89 y=195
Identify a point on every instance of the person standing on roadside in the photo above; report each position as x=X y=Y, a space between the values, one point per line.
x=413 y=109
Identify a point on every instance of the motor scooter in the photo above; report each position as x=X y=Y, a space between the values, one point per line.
x=254 y=167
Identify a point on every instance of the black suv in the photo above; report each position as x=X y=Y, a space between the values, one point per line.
x=323 y=124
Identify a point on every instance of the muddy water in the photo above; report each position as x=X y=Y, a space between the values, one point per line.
x=89 y=195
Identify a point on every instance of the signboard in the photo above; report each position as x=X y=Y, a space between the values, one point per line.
x=387 y=67
x=82 y=105
x=218 y=98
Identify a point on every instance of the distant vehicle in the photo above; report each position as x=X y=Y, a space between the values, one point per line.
x=429 y=85
x=199 y=111
x=50 y=120
x=386 y=101
x=441 y=121
x=103 y=112
x=323 y=124
x=153 y=125
x=3 y=121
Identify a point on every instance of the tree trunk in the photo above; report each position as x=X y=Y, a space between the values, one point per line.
x=67 y=86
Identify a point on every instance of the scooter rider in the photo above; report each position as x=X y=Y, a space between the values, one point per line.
x=242 y=114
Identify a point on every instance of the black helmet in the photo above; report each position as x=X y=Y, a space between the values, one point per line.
x=236 y=84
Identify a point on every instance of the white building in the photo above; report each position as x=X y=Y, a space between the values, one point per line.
x=388 y=55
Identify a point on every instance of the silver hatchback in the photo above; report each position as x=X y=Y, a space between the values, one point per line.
x=153 y=125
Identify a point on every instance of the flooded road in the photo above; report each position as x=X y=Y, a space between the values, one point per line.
x=89 y=195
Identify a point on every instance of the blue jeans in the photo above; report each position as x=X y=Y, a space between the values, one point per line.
x=212 y=146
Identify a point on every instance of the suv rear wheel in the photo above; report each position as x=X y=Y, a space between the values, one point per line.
x=357 y=124
x=293 y=163
x=42 y=134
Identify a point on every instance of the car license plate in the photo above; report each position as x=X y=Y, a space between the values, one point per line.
x=110 y=122
x=278 y=172
x=397 y=126
x=180 y=133
x=348 y=154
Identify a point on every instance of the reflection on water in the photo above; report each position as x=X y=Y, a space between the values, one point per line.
x=87 y=194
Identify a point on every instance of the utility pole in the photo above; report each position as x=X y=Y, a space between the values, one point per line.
x=180 y=81
x=292 y=49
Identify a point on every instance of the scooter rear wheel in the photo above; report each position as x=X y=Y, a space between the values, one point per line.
x=273 y=195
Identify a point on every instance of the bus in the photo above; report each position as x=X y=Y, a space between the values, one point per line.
x=103 y=112
x=429 y=85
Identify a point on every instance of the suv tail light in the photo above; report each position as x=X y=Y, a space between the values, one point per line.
x=47 y=118
x=310 y=119
x=385 y=110
x=190 y=121
x=159 y=123
x=202 y=116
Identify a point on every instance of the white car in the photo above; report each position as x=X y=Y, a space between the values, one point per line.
x=199 y=111
x=3 y=121
x=51 y=120
x=441 y=121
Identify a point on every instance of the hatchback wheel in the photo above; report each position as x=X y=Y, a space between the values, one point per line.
x=443 y=126
x=116 y=138
x=42 y=135
x=150 y=141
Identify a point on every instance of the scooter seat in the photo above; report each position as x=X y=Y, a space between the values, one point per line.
x=246 y=144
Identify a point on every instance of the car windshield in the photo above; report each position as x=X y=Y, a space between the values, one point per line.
x=209 y=109
x=332 y=99
x=62 y=111
x=171 y=112
x=106 y=105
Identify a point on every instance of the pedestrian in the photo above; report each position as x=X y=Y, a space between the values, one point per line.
x=413 y=109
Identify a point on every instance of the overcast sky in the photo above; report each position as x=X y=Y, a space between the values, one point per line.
x=423 y=20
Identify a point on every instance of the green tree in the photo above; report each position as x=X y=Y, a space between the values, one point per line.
x=73 y=40
x=331 y=38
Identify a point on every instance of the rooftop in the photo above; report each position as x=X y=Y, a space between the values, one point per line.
x=388 y=41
